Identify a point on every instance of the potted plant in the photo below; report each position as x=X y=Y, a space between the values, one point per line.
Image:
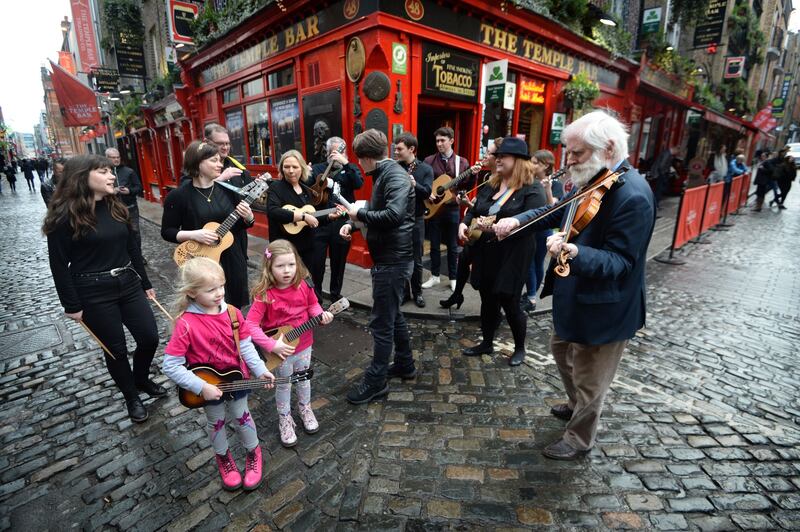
x=580 y=91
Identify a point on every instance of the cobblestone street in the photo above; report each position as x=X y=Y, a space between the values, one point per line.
x=700 y=432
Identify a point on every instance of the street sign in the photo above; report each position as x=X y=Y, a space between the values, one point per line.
x=651 y=21
x=105 y=79
x=734 y=67
x=399 y=58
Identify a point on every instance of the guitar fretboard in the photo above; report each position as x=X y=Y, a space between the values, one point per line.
x=233 y=217
x=295 y=333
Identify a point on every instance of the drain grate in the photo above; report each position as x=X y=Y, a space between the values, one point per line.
x=19 y=343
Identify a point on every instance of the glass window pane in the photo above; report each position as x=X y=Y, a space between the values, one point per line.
x=253 y=87
x=281 y=78
x=235 y=125
x=258 y=138
x=285 y=115
x=230 y=95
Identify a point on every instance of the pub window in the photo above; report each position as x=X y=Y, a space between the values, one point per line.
x=253 y=88
x=230 y=95
x=285 y=116
x=281 y=78
x=258 y=138
x=234 y=123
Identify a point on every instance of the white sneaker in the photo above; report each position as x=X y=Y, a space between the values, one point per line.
x=430 y=283
x=452 y=286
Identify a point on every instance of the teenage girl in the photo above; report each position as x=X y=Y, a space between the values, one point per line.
x=204 y=334
x=282 y=297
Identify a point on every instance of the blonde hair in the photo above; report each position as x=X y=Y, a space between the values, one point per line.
x=266 y=280
x=522 y=174
x=192 y=276
x=300 y=160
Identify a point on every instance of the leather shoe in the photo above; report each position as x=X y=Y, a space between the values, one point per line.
x=517 y=358
x=406 y=373
x=136 y=410
x=562 y=411
x=419 y=301
x=151 y=388
x=483 y=348
x=561 y=450
x=364 y=393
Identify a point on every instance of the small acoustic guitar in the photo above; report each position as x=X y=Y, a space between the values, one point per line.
x=442 y=190
x=473 y=233
x=291 y=335
x=232 y=381
x=295 y=227
x=191 y=249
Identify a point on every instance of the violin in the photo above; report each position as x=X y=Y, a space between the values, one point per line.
x=581 y=213
x=320 y=191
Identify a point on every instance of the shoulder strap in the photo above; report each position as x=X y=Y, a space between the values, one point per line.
x=235 y=327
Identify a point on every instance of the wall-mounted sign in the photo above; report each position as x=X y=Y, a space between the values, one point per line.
x=531 y=91
x=779 y=104
x=355 y=59
x=84 y=34
x=496 y=72
x=449 y=73
x=509 y=95
x=130 y=56
x=557 y=125
x=651 y=20
x=180 y=15
x=709 y=30
x=399 y=58
x=105 y=79
x=734 y=67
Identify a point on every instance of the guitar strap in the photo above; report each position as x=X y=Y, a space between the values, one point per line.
x=235 y=327
x=495 y=208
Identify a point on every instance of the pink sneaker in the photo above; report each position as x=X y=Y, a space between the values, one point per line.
x=310 y=424
x=231 y=478
x=252 y=469
x=286 y=428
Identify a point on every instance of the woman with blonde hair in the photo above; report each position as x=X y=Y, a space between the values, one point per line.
x=499 y=268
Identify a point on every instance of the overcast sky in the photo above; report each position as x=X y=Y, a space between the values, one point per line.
x=30 y=32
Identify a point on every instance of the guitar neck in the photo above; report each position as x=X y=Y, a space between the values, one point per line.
x=459 y=178
x=233 y=217
x=295 y=333
x=252 y=384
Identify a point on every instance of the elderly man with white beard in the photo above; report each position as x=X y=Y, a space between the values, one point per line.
x=600 y=305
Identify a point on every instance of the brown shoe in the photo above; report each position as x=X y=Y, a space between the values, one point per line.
x=561 y=450
x=562 y=411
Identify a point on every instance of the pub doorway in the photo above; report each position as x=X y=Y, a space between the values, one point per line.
x=431 y=117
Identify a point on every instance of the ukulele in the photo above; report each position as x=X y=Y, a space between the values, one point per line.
x=295 y=227
x=232 y=381
x=441 y=189
x=473 y=233
x=191 y=249
x=291 y=335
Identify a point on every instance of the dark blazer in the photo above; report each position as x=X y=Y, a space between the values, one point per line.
x=126 y=177
x=281 y=193
x=423 y=176
x=603 y=298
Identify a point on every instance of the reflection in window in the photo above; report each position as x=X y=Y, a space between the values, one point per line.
x=281 y=78
x=235 y=125
x=253 y=87
x=285 y=114
x=258 y=138
x=230 y=95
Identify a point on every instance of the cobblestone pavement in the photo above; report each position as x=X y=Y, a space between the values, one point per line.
x=700 y=431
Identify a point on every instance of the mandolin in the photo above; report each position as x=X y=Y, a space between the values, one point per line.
x=441 y=188
x=291 y=335
x=232 y=381
x=191 y=249
x=473 y=233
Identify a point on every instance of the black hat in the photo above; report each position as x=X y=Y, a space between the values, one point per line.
x=514 y=146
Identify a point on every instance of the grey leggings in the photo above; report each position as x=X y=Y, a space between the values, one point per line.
x=239 y=413
x=296 y=362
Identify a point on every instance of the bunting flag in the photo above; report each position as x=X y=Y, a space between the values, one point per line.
x=77 y=102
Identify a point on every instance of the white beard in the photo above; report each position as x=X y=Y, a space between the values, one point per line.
x=580 y=174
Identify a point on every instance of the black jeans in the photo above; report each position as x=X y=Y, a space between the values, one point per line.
x=418 y=238
x=490 y=316
x=387 y=323
x=444 y=226
x=328 y=242
x=108 y=304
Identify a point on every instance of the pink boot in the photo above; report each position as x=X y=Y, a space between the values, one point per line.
x=252 y=469
x=231 y=478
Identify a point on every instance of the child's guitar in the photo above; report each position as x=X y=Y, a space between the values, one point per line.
x=291 y=335
x=190 y=249
x=232 y=381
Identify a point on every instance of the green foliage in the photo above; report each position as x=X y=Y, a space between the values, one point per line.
x=211 y=24
x=122 y=17
x=659 y=54
x=687 y=12
x=706 y=95
x=580 y=91
x=745 y=37
x=615 y=39
x=127 y=115
x=571 y=13
x=737 y=95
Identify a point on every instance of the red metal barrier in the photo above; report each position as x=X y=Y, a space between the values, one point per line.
x=736 y=190
x=745 y=189
x=689 y=216
x=713 y=207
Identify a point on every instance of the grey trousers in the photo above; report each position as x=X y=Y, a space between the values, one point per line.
x=587 y=372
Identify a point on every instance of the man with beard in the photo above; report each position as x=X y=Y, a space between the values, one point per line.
x=600 y=305
x=233 y=171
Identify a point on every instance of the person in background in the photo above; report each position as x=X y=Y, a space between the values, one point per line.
x=661 y=169
x=49 y=186
x=128 y=186
x=785 y=177
x=27 y=169
x=719 y=164
x=735 y=169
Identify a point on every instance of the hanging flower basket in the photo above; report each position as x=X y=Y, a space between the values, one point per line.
x=580 y=91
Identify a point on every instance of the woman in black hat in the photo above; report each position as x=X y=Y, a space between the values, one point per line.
x=499 y=268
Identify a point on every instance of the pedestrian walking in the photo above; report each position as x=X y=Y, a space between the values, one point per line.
x=600 y=303
x=205 y=333
x=283 y=297
x=27 y=170
x=765 y=180
x=787 y=174
x=11 y=177
x=128 y=186
x=499 y=269
x=41 y=168
x=389 y=221
x=48 y=188
x=99 y=276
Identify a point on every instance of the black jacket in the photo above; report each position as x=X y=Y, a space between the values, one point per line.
x=281 y=193
x=389 y=216
x=423 y=176
x=126 y=177
x=349 y=178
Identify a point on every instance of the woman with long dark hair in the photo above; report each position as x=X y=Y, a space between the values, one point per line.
x=98 y=272
x=499 y=268
x=198 y=201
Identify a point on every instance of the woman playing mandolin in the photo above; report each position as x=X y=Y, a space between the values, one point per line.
x=499 y=269
x=198 y=201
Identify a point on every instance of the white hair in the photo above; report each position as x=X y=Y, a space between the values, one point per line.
x=596 y=130
x=112 y=151
x=330 y=143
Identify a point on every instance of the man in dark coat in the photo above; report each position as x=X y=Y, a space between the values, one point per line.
x=600 y=305
x=389 y=221
x=127 y=186
x=27 y=169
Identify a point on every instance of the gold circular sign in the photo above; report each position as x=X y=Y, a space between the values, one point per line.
x=355 y=59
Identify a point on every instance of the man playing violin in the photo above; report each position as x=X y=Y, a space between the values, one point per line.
x=599 y=307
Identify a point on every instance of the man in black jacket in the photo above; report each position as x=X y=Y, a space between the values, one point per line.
x=326 y=237
x=127 y=186
x=389 y=221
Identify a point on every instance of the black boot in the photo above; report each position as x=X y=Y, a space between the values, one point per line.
x=455 y=298
x=517 y=358
x=486 y=347
x=136 y=410
x=151 y=388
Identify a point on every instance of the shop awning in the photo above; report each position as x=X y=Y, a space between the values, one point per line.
x=723 y=121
